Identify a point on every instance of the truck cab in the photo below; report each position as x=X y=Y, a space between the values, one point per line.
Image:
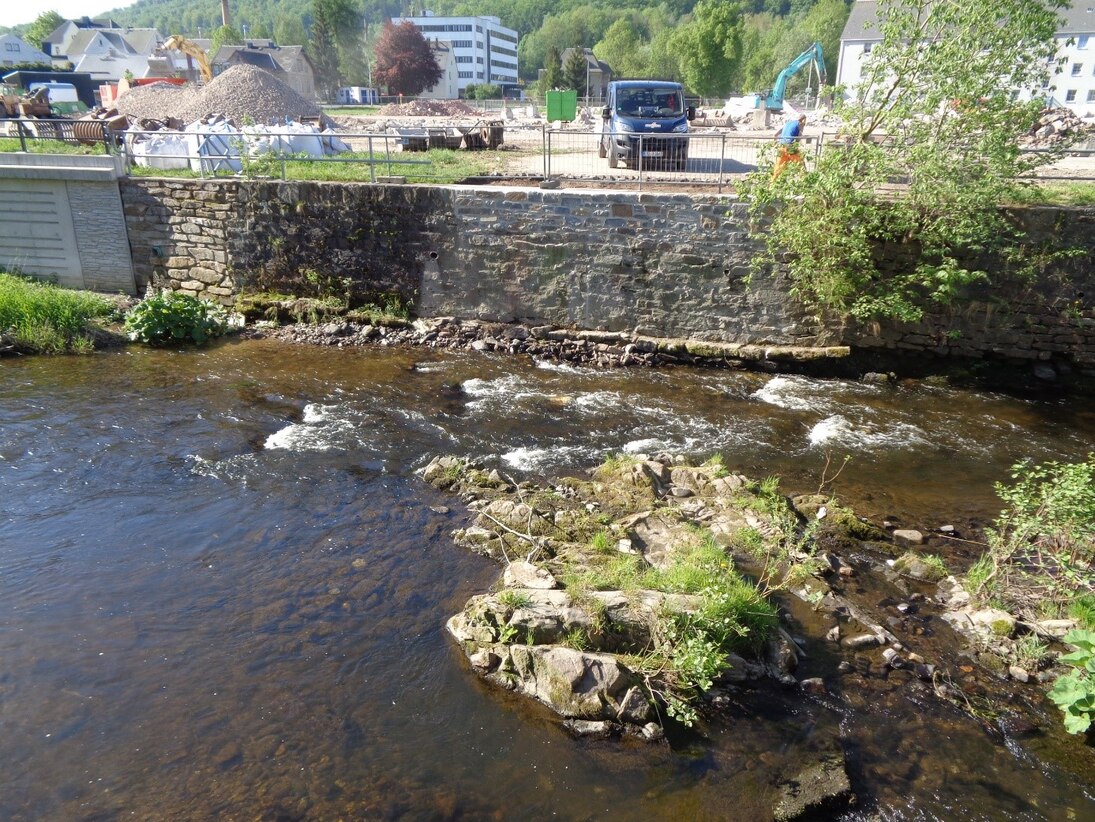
x=654 y=109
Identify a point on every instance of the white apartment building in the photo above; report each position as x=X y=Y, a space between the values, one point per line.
x=1073 y=88
x=484 y=50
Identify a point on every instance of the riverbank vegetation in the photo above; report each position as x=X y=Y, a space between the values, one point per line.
x=906 y=211
x=40 y=318
x=173 y=317
x=1040 y=561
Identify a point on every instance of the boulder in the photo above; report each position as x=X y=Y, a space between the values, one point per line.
x=443 y=472
x=988 y=623
x=527 y=575
x=908 y=536
x=912 y=565
x=1054 y=628
x=822 y=786
x=577 y=684
x=518 y=516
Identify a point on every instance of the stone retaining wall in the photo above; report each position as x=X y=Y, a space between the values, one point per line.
x=178 y=234
x=665 y=265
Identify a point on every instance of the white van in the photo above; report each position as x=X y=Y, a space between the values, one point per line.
x=58 y=92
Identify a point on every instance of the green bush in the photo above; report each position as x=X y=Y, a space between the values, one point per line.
x=42 y=318
x=1074 y=693
x=1041 y=551
x=173 y=317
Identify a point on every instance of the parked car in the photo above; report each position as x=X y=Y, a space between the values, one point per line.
x=654 y=109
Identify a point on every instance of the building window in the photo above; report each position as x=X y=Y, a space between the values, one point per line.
x=464 y=75
x=11 y=46
x=463 y=58
x=1070 y=96
x=1082 y=42
x=479 y=29
x=867 y=48
x=461 y=44
x=1091 y=96
x=479 y=75
x=1077 y=68
x=479 y=60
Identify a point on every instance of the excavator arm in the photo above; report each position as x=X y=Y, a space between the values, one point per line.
x=178 y=43
x=812 y=56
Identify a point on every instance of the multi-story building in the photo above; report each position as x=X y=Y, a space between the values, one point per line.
x=485 y=51
x=1073 y=88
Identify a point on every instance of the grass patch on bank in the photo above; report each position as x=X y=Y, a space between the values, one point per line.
x=441 y=166
x=36 y=146
x=40 y=318
x=1058 y=193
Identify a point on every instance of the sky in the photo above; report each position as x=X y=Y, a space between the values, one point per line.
x=14 y=12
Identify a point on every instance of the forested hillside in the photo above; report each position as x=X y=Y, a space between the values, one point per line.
x=715 y=47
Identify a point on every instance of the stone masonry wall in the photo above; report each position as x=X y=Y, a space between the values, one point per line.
x=178 y=234
x=667 y=265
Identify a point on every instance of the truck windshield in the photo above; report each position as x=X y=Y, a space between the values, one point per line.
x=649 y=102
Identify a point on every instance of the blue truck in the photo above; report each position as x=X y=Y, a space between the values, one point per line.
x=654 y=109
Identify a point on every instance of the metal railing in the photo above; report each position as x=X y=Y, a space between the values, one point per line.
x=694 y=157
x=29 y=131
x=700 y=157
x=270 y=153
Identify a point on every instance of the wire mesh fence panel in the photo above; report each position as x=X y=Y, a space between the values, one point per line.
x=709 y=158
x=288 y=155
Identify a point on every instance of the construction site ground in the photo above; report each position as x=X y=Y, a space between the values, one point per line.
x=574 y=149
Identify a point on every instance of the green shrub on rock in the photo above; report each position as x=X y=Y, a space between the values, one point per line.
x=173 y=317
x=1074 y=693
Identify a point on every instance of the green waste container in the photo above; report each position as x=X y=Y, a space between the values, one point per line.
x=562 y=105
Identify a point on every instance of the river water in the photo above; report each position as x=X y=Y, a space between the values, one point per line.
x=223 y=589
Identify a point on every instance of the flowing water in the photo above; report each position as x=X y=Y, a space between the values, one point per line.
x=223 y=590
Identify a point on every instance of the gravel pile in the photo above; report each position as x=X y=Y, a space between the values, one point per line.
x=428 y=108
x=242 y=93
x=156 y=101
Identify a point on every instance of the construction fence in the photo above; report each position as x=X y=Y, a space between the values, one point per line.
x=711 y=158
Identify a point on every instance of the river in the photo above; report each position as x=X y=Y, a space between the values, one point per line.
x=223 y=589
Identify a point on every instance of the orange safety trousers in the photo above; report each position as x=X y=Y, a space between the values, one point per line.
x=787 y=154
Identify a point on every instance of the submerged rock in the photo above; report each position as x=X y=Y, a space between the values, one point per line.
x=916 y=567
x=820 y=787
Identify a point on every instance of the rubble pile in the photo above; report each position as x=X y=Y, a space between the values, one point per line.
x=156 y=101
x=428 y=108
x=242 y=94
x=1058 y=125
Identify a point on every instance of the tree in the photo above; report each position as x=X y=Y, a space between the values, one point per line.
x=581 y=26
x=621 y=48
x=323 y=52
x=576 y=70
x=336 y=47
x=290 y=31
x=404 y=62
x=224 y=36
x=939 y=88
x=553 y=70
x=709 y=47
x=484 y=91
x=42 y=27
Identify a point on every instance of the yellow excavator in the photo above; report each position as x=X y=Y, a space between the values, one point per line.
x=177 y=42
